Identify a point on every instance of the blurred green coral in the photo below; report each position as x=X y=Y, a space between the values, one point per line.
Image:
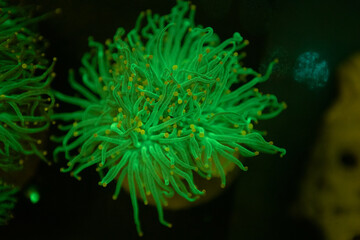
x=25 y=98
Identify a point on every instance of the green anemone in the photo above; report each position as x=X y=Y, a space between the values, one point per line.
x=162 y=104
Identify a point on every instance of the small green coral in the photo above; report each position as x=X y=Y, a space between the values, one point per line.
x=158 y=108
x=7 y=202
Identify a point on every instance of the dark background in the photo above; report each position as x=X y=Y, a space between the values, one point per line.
x=259 y=203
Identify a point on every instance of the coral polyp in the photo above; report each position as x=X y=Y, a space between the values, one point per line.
x=161 y=104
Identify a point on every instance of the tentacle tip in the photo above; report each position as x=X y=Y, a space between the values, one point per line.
x=237 y=36
x=58 y=11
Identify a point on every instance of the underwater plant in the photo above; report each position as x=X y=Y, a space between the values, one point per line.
x=25 y=99
x=161 y=104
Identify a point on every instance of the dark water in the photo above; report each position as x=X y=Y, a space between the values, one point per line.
x=257 y=206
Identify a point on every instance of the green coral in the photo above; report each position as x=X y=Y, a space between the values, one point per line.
x=158 y=107
x=25 y=98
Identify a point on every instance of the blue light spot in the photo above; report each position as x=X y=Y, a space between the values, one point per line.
x=311 y=70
